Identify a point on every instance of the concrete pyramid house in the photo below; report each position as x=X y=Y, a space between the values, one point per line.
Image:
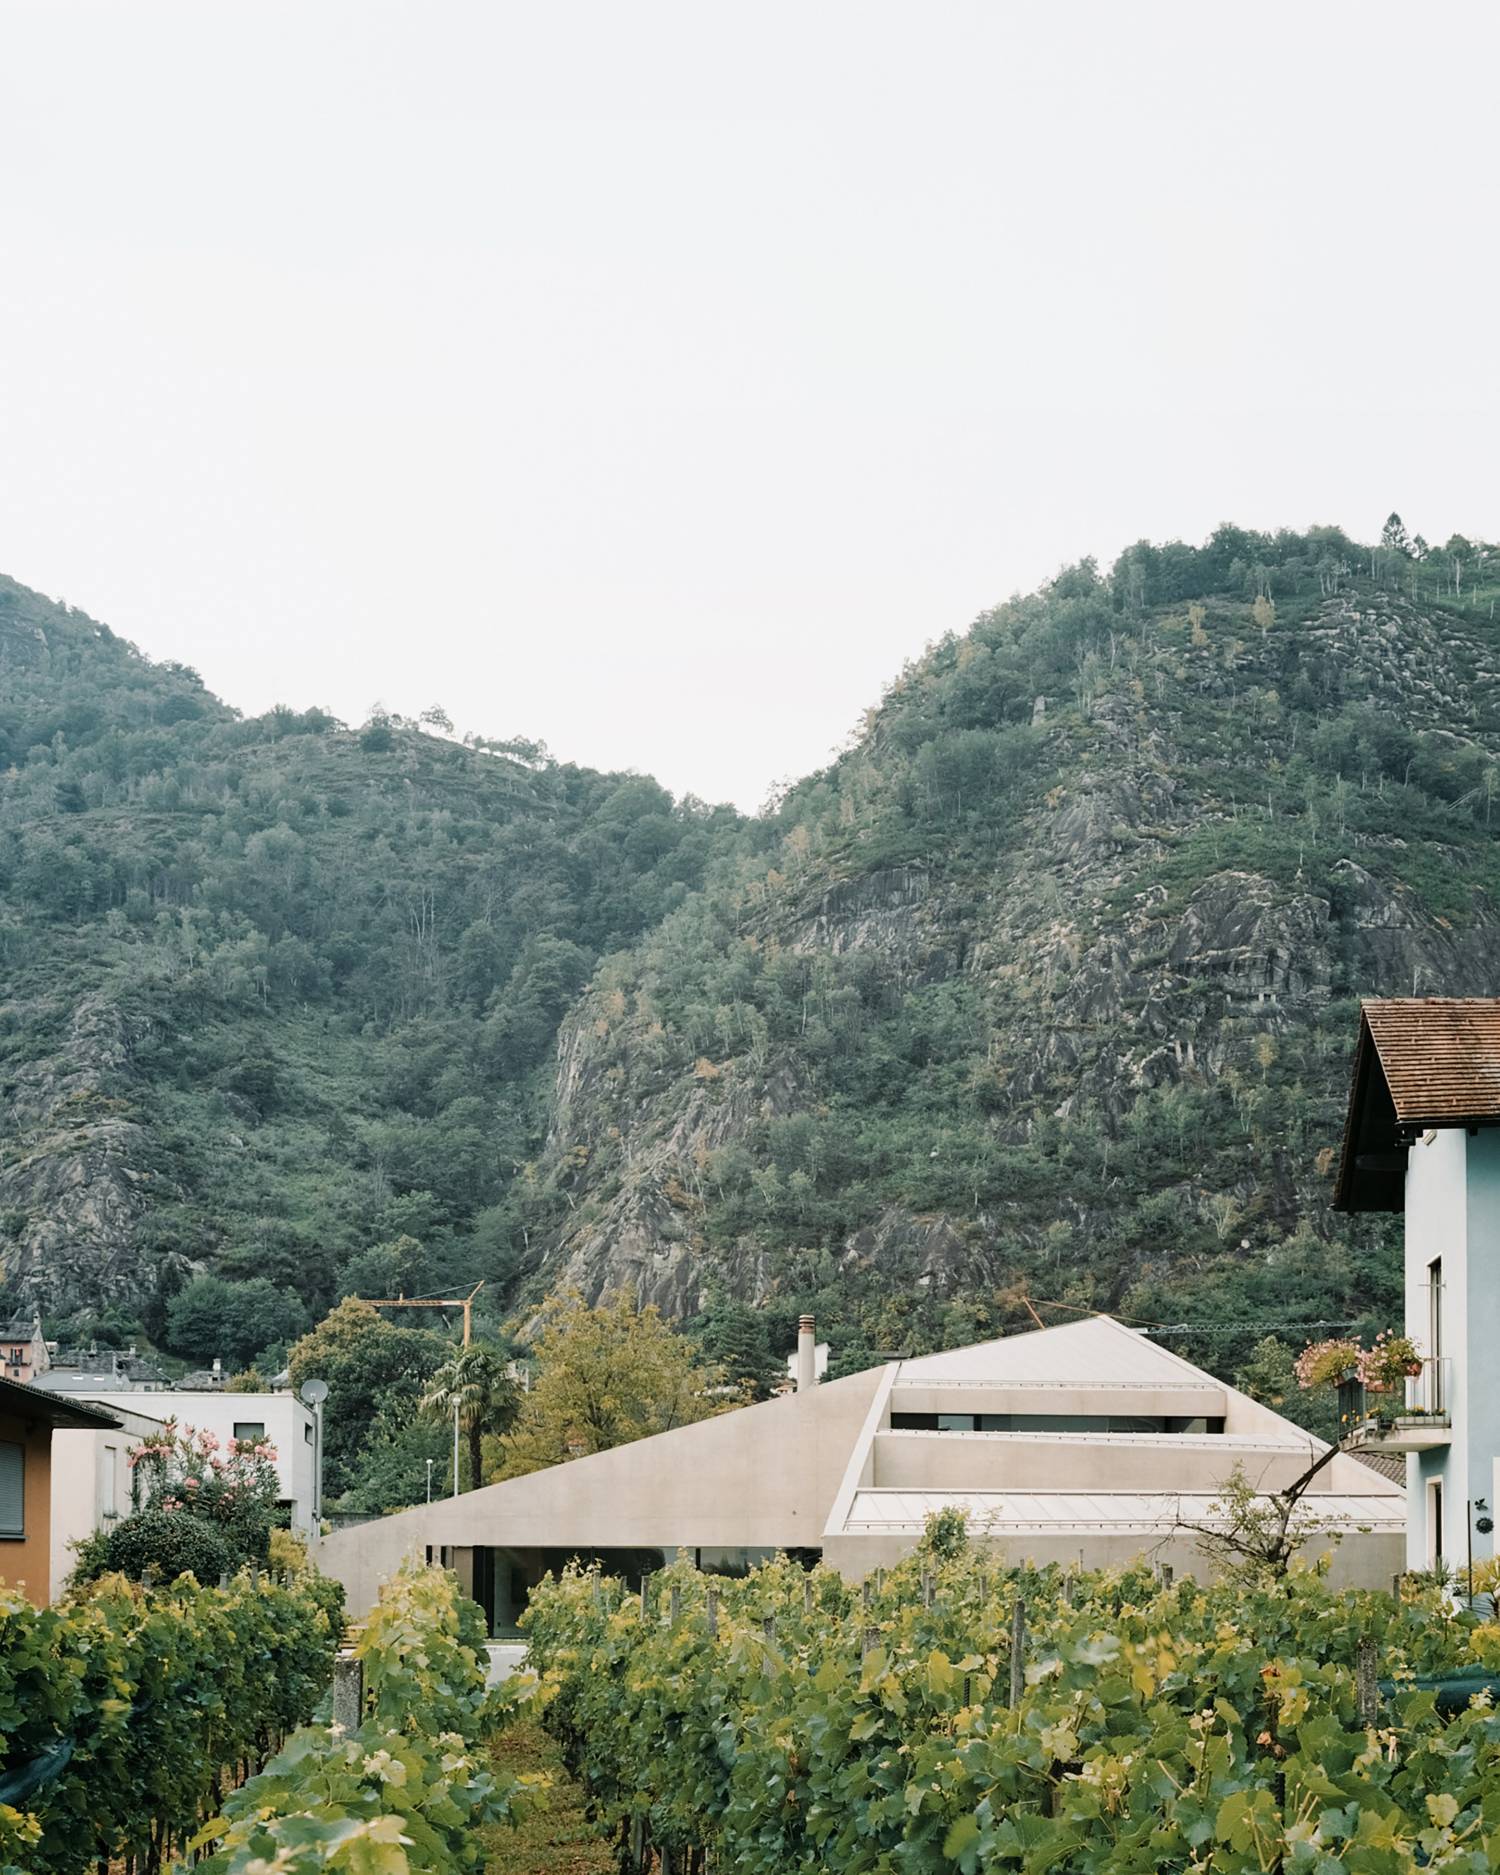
x=1086 y=1444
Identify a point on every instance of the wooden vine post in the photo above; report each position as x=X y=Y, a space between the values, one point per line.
x=1018 y=1652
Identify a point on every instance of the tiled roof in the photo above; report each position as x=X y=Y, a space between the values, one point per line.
x=1388 y=1464
x=1440 y=1056
x=1420 y=1061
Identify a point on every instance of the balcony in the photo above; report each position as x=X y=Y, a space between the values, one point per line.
x=1415 y=1418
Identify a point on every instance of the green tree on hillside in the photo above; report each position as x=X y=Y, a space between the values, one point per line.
x=235 y=1321
x=369 y=1364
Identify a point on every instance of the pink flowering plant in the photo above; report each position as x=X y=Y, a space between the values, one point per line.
x=232 y=1486
x=1326 y=1363
x=1393 y=1358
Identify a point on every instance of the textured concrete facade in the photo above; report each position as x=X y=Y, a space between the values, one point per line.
x=1083 y=1443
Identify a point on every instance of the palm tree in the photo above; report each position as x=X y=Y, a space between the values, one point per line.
x=473 y=1383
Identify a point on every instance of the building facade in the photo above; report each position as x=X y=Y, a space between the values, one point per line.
x=93 y=1484
x=1423 y=1138
x=285 y=1420
x=1084 y=1444
x=30 y=1420
x=23 y=1349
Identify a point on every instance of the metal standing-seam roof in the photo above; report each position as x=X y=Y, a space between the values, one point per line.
x=1420 y=1061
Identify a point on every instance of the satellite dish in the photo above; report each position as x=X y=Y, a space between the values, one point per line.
x=315 y=1392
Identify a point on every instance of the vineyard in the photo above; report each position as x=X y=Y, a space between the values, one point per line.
x=405 y=1790
x=956 y=1715
x=125 y=1712
x=146 y=1728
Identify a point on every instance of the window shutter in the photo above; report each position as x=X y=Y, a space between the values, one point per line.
x=12 y=1490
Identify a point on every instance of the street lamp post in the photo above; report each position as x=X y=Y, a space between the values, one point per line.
x=455 y=1448
x=315 y=1392
x=429 y=1481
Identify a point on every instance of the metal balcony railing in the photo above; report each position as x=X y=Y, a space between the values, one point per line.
x=1412 y=1415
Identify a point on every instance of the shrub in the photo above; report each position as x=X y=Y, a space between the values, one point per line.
x=169 y=1542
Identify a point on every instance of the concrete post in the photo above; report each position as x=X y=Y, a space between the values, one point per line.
x=348 y=1691
x=1367 y=1690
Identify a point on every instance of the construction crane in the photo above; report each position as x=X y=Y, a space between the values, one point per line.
x=466 y=1303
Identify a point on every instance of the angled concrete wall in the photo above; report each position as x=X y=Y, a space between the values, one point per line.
x=761 y=1477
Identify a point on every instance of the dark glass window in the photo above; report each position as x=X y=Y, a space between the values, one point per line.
x=1050 y=1422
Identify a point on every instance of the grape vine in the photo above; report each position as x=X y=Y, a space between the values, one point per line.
x=790 y=1722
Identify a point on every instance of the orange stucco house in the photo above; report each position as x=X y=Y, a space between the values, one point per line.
x=28 y=1418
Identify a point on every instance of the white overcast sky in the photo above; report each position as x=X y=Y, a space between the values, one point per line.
x=655 y=379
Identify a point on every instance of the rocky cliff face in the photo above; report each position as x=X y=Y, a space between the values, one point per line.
x=75 y=1166
x=1132 y=971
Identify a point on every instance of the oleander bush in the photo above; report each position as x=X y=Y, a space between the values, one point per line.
x=125 y=1711
x=1157 y=1727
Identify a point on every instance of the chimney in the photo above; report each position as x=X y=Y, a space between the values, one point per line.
x=807 y=1355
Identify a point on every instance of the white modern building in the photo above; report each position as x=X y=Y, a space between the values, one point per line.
x=1423 y=1137
x=93 y=1484
x=281 y=1417
x=1081 y=1444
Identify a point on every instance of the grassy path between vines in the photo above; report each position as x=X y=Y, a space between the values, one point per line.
x=557 y=1837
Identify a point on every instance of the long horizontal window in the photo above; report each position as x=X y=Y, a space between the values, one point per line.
x=1050 y=1422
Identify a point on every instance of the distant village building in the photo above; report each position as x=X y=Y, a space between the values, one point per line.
x=23 y=1350
x=1423 y=1137
x=70 y=1368
x=1081 y=1444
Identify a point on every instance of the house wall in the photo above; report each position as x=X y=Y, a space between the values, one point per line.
x=1015 y=1461
x=1453 y=1212
x=288 y=1422
x=1477 y=1335
x=92 y=1483
x=25 y=1562
x=1176 y=1401
x=761 y=1477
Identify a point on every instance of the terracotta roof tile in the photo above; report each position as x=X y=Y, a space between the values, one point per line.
x=1388 y=1464
x=1420 y=1061
x=1440 y=1056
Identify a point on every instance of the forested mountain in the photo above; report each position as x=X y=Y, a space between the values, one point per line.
x=1047 y=985
x=280 y=998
